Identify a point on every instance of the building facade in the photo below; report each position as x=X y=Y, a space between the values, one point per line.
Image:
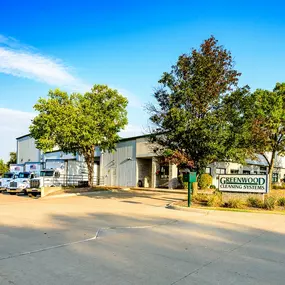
x=134 y=163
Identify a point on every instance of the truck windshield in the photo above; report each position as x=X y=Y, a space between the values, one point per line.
x=8 y=175
x=47 y=173
x=24 y=175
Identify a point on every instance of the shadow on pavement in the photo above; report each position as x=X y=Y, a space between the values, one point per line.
x=140 y=249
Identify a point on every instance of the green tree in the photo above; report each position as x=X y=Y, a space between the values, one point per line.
x=265 y=120
x=3 y=167
x=78 y=123
x=13 y=158
x=189 y=114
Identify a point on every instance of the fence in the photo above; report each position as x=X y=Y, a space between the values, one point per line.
x=67 y=180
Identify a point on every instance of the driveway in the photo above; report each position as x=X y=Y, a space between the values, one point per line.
x=131 y=238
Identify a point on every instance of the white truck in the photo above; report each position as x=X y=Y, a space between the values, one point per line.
x=21 y=183
x=5 y=180
x=47 y=178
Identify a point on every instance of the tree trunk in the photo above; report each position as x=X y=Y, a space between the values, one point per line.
x=89 y=159
x=270 y=170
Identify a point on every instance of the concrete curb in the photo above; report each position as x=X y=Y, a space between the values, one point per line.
x=180 y=208
x=73 y=194
x=157 y=190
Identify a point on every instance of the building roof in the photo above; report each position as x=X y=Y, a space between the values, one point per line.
x=121 y=139
x=21 y=137
x=260 y=160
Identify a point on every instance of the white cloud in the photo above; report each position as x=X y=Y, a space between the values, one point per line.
x=13 y=123
x=23 y=61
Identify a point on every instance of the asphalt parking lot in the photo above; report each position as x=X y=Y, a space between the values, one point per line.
x=131 y=238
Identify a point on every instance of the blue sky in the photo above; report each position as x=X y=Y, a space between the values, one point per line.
x=127 y=45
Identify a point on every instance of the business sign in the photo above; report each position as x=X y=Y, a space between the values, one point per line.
x=243 y=183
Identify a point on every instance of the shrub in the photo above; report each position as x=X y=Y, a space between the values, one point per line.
x=269 y=203
x=213 y=186
x=205 y=180
x=235 y=203
x=215 y=201
x=278 y=186
x=281 y=201
x=275 y=186
x=254 y=202
x=201 y=198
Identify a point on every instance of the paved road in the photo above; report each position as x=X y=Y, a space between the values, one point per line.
x=132 y=239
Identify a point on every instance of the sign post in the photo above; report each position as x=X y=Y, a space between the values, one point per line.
x=189 y=177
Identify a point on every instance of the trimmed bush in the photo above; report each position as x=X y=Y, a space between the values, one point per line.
x=215 y=201
x=281 y=202
x=269 y=203
x=254 y=202
x=205 y=180
x=235 y=203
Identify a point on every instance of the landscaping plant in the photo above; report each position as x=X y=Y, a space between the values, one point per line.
x=254 y=202
x=204 y=181
x=270 y=203
x=235 y=204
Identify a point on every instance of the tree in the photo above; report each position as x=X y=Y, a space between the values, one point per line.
x=78 y=123
x=13 y=159
x=190 y=115
x=3 y=167
x=265 y=120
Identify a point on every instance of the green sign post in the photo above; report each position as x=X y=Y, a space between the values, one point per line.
x=189 y=177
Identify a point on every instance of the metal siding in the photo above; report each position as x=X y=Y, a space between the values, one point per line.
x=117 y=169
x=126 y=163
x=58 y=155
x=26 y=150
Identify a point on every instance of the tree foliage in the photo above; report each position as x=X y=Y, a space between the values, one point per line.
x=265 y=120
x=12 y=159
x=190 y=109
x=3 y=167
x=78 y=123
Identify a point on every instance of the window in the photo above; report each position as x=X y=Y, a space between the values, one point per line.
x=263 y=168
x=48 y=173
x=234 y=171
x=164 y=171
x=246 y=172
x=208 y=170
x=24 y=175
x=274 y=177
x=262 y=172
x=221 y=171
x=255 y=172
